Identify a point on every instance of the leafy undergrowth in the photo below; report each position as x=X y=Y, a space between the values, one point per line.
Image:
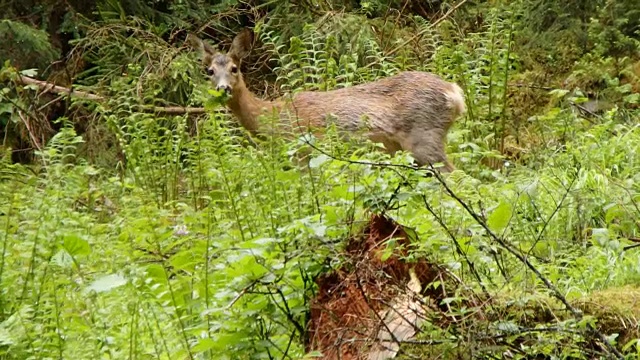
x=209 y=247
x=190 y=241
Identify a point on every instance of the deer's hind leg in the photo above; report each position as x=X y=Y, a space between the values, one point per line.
x=428 y=147
x=390 y=145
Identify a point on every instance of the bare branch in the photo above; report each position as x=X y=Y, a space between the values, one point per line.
x=50 y=87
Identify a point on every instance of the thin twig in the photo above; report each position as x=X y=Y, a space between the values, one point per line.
x=240 y=294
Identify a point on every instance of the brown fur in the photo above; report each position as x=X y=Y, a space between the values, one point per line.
x=410 y=111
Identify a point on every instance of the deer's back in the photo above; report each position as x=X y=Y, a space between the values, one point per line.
x=396 y=104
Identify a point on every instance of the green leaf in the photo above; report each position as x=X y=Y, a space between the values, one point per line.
x=625 y=89
x=507 y=326
x=558 y=93
x=107 y=282
x=412 y=235
x=216 y=93
x=404 y=196
x=157 y=273
x=62 y=259
x=632 y=99
x=204 y=345
x=631 y=343
x=29 y=72
x=318 y=229
x=587 y=321
x=6 y=108
x=5 y=337
x=600 y=235
x=314 y=354
x=76 y=246
x=183 y=261
x=500 y=217
x=318 y=160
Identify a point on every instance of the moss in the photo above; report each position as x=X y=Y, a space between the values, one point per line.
x=617 y=311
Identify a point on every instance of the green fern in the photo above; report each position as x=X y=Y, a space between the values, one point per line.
x=26 y=47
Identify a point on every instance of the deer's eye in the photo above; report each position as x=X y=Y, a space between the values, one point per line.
x=234 y=69
x=209 y=71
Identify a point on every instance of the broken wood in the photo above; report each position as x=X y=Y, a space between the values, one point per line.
x=50 y=87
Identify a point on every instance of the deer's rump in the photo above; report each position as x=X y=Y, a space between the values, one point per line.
x=397 y=104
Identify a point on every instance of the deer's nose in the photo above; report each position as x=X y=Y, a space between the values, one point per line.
x=226 y=88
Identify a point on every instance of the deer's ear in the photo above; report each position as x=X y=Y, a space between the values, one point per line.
x=206 y=50
x=241 y=45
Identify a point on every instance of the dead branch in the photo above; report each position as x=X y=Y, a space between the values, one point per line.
x=50 y=87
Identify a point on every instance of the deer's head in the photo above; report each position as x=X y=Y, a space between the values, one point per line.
x=224 y=69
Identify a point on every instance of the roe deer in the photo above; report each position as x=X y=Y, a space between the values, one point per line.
x=410 y=111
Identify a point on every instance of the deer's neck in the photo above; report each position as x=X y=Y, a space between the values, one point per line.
x=247 y=107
